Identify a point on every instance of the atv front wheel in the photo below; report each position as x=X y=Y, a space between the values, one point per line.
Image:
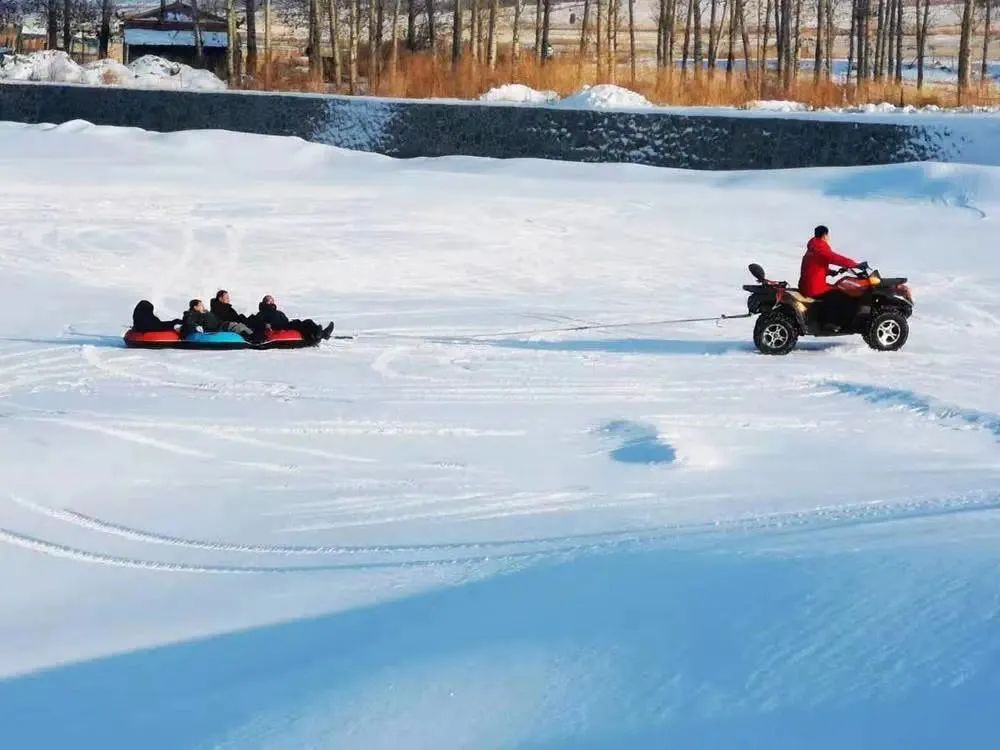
x=887 y=331
x=775 y=333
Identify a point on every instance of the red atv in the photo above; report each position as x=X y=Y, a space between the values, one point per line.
x=881 y=315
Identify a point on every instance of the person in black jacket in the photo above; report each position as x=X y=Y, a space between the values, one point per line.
x=197 y=318
x=221 y=308
x=268 y=316
x=144 y=320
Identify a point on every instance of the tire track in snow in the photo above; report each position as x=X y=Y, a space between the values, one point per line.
x=925 y=406
x=824 y=519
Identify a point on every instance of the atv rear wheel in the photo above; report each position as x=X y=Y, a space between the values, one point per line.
x=775 y=333
x=887 y=331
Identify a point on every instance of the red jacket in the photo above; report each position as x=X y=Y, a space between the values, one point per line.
x=816 y=264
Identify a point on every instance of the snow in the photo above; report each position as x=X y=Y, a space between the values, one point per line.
x=518 y=93
x=148 y=71
x=777 y=105
x=644 y=536
x=605 y=96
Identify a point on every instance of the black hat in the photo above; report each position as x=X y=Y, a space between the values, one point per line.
x=820 y=231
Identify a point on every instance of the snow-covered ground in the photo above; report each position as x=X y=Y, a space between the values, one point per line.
x=428 y=538
x=147 y=72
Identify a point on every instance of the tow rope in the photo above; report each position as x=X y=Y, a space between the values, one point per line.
x=564 y=329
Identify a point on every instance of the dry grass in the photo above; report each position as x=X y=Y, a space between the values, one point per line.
x=422 y=75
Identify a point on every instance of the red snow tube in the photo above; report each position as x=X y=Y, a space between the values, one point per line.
x=152 y=339
x=285 y=339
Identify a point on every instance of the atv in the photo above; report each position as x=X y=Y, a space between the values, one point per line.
x=881 y=315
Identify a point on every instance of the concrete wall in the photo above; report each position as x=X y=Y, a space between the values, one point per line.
x=420 y=128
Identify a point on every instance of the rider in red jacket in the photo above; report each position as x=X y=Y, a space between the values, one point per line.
x=816 y=264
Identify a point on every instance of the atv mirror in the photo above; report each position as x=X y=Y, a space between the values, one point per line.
x=757 y=272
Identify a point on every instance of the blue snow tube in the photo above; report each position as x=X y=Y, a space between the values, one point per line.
x=220 y=340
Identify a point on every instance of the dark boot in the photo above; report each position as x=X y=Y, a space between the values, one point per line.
x=328 y=331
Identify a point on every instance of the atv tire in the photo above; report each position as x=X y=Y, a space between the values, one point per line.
x=775 y=333
x=887 y=331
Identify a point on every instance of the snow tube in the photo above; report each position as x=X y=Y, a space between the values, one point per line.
x=152 y=339
x=285 y=339
x=218 y=340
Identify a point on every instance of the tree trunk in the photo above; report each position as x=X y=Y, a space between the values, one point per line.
x=394 y=49
x=601 y=22
x=762 y=57
x=612 y=48
x=672 y=36
x=251 y=12
x=797 y=41
x=411 y=25
x=699 y=54
x=432 y=26
x=515 y=33
x=231 y=71
x=315 y=52
x=373 y=45
x=850 y=40
x=267 y=43
x=712 y=17
x=741 y=17
x=984 y=71
x=818 y=55
x=830 y=39
x=52 y=24
x=67 y=33
x=584 y=27
x=687 y=36
x=199 y=46
x=538 y=30
x=866 y=40
x=965 y=48
x=546 y=22
x=353 y=18
x=333 y=16
x=631 y=38
x=104 y=37
x=456 y=34
x=491 y=43
x=731 y=42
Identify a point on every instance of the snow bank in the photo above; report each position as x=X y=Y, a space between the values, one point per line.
x=55 y=66
x=518 y=93
x=778 y=105
x=605 y=96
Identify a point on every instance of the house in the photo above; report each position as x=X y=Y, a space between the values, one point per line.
x=169 y=31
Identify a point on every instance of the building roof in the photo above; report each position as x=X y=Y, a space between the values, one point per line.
x=176 y=12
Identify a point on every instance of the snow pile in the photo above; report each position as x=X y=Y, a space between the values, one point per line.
x=605 y=96
x=777 y=105
x=55 y=66
x=52 y=66
x=518 y=93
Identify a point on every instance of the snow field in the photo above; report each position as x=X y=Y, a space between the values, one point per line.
x=427 y=537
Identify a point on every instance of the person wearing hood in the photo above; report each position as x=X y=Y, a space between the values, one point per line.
x=144 y=319
x=269 y=317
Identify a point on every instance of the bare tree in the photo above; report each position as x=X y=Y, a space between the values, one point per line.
x=353 y=20
x=599 y=45
x=456 y=33
x=546 y=26
x=411 y=24
x=315 y=54
x=631 y=38
x=538 y=30
x=104 y=37
x=333 y=16
x=515 y=33
x=584 y=28
x=251 y=14
x=394 y=54
x=199 y=43
x=374 y=42
x=432 y=25
x=231 y=70
x=985 y=69
x=491 y=44
x=818 y=56
x=687 y=35
x=965 y=48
